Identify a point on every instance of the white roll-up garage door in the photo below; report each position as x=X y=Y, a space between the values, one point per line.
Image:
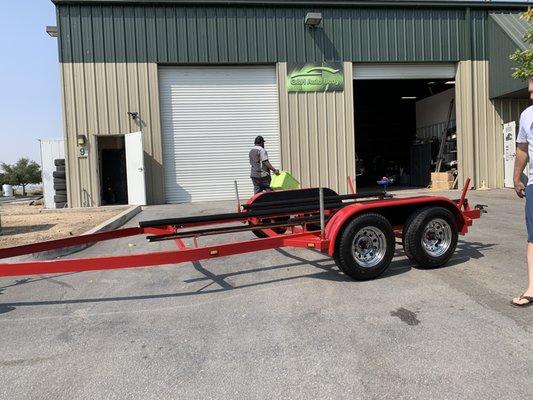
x=404 y=71
x=210 y=117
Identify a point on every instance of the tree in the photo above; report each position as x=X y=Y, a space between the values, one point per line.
x=524 y=58
x=22 y=173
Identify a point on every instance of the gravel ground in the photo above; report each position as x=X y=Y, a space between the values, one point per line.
x=25 y=224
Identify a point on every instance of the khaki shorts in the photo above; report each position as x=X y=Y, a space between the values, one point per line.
x=261 y=184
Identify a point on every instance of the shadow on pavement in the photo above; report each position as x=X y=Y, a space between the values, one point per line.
x=465 y=251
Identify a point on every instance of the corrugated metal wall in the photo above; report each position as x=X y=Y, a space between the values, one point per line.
x=96 y=98
x=209 y=34
x=317 y=133
x=479 y=124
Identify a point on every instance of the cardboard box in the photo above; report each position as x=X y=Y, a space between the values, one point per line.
x=442 y=176
x=442 y=180
x=441 y=185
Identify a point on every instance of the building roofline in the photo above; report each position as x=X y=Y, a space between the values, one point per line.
x=310 y=3
x=514 y=27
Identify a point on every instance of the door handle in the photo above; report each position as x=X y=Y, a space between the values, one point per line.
x=140 y=169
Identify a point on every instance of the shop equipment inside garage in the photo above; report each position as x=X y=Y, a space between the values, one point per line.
x=400 y=125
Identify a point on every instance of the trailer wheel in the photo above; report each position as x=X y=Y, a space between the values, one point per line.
x=430 y=236
x=366 y=247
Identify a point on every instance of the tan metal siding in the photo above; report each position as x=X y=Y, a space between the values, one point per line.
x=96 y=99
x=479 y=124
x=317 y=133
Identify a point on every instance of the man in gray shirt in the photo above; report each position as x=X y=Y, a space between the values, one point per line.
x=260 y=166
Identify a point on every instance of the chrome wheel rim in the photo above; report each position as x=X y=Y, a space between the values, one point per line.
x=437 y=237
x=369 y=246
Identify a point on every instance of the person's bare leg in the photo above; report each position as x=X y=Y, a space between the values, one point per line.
x=529 y=290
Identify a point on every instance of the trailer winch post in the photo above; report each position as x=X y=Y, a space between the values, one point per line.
x=321 y=201
x=350 y=185
x=463 y=194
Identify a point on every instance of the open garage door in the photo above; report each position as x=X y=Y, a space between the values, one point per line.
x=210 y=117
x=400 y=125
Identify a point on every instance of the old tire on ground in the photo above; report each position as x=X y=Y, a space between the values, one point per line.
x=366 y=247
x=59 y=161
x=430 y=236
x=61 y=192
x=59 y=174
x=60 y=186
x=60 y=198
x=61 y=205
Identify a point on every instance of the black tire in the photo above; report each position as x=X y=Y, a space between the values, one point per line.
x=61 y=193
x=59 y=174
x=59 y=161
x=60 y=186
x=365 y=229
x=60 y=168
x=444 y=232
x=61 y=205
x=60 y=198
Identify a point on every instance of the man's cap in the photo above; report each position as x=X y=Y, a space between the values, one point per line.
x=259 y=140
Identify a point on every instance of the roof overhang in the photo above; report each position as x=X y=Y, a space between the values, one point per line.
x=323 y=3
x=505 y=36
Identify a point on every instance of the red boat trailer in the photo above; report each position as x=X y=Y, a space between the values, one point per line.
x=358 y=230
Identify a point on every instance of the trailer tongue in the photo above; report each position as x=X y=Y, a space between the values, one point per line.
x=359 y=231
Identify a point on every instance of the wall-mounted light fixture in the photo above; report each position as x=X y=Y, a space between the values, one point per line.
x=81 y=140
x=52 y=31
x=134 y=115
x=313 y=19
x=449 y=83
x=409 y=97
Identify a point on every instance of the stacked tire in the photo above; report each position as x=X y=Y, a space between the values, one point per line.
x=60 y=183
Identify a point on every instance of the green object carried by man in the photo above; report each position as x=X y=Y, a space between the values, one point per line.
x=284 y=181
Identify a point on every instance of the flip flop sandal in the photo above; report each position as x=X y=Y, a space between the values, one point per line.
x=529 y=302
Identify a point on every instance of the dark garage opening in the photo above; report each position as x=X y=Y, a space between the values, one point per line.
x=392 y=140
x=112 y=162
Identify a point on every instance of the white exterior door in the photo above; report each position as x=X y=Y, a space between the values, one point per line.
x=135 y=168
x=210 y=117
x=509 y=151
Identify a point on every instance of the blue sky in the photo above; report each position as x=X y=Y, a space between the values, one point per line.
x=30 y=97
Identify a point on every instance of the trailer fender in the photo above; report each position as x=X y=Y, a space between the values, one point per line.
x=341 y=218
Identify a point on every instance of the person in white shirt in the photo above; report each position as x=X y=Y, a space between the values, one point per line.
x=524 y=153
x=260 y=166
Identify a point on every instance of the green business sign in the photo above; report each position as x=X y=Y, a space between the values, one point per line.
x=325 y=77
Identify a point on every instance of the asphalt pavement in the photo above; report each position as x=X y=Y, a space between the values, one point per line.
x=277 y=324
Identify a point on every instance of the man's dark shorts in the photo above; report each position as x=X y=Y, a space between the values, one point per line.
x=261 y=184
x=529 y=212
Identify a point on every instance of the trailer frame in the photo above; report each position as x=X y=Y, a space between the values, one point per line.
x=280 y=226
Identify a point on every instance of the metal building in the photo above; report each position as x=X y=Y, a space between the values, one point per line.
x=200 y=79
